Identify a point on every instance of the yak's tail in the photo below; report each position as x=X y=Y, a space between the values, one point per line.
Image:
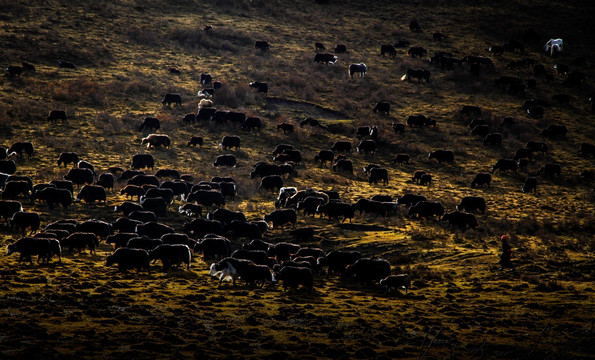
x=404 y=77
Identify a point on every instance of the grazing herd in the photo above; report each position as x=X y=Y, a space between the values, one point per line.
x=139 y=238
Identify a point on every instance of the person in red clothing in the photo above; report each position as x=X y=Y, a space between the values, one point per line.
x=505 y=257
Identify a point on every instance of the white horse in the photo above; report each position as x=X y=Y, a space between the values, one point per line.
x=361 y=68
x=554 y=46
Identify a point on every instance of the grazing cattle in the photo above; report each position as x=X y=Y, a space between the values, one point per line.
x=261 y=87
x=340 y=49
x=20 y=148
x=388 y=49
x=554 y=131
x=472 y=203
x=425 y=179
x=143 y=242
x=325 y=58
x=343 y=165
x=191 y=210
x=171 y=254
x=129 y=174
x=66 y=65
x=366 y=146
x=225 y=160
x=229 y=268
x=530 y=185
x=206 y=93
x=417 y=51
x=196 y=140
x=157 y=205
x=225 y=217
x=175 y=71
x=294 y=156
x=189 y=119
x=13 y=70
x=8 y=166
x=309 y=205
x=442 y=156
x=178 y=238
x=154 y=229
x=265 y=169
x=481 y=178
x=341 y=147
x=323 y=156
x=259 y=257
x=427 y=209
x=382 y=107
x=410 y=199
x=419 y=74
x=230 y=141
x=523 y=153
x=293 y=277
x=368 y=269
x=126 y=225
x=337 y=261
x=68 y=225
x=178 y=188
x=206 y=198
x=537 y=146
x=132 y=190
x=98 y=227
x=56 y=115
x=242 y=228
x=252 y=123
x=205 y=78
x=14 y=188
x=255 y=274
x=150 y=123
x=419 y=120
x=21 y=220
x=281 y=217
x=369 y=207
x=493 y=139
x=262 y=45
x=336 y=210
x=376 y=174
x=213 y=247
x=535 y=112
x=414 y=26
x=140 y=180
x=92 y=193
x=205 y=114
x=28 y=67
x=399 y=128
x=166 y=194
x=360 y=68
x=156 y=140
x=44 y=248
x=8 y=208
x=496 y=50
x=400 y=159
x=550 y=170
x=80 y=176
x=283 y=251
x=470 y=110
x=587 y=149
x=285 y=127
x=142 y=216
x=461 y=220
x=504 y=165
x=271 y=182
x=171 y=173
x=80 y=241
x=168 y=99
x=258 y=244
x=127 y=258
x=319 y=46
x=481 y=130
x=106 y=180
x=141 y=161
x=87 y=165
x=396 y=282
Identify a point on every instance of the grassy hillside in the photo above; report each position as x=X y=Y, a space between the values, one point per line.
x=459 y=306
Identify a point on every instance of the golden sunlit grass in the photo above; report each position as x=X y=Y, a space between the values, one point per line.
x=123 y=50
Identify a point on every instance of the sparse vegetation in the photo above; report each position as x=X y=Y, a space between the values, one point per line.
x=123 y=51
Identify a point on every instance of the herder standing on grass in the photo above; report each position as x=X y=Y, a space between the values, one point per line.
x=505 y=257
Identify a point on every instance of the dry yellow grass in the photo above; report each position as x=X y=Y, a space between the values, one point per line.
x=123 y=49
